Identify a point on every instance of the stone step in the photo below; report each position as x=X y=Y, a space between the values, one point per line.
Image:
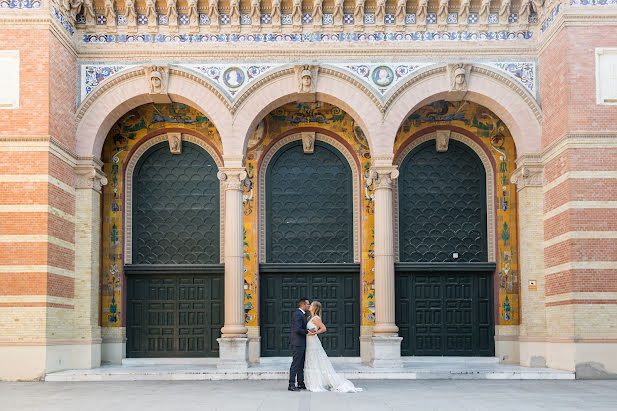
x=277 y=368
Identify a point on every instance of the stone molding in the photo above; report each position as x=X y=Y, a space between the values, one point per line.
x=39 y=143
x=579 y=139
x=128 y=190
x=89 y=175
x=382 y=177
x=261 y=189
x=491 y=214
x=529 y=171
x=232 y=178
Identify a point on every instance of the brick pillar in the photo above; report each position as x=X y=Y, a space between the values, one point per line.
x=532 y=330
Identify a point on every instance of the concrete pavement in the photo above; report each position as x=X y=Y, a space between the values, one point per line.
x=272 y=396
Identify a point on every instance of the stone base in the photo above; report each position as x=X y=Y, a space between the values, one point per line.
x=366 y=344
x=387 y=352
x=32 y=362
x=233 y=353
x=113 y=349
x=254 y=345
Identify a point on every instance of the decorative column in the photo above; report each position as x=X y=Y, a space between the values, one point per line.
x=233 y=345
x=533 y=329
x=386 y=342
x=89 y=180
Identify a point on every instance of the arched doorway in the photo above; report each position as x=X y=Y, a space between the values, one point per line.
x=444 y=287
x=174 y=282
x=309 y=228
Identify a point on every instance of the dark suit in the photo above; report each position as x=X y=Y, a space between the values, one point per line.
x=297 y=340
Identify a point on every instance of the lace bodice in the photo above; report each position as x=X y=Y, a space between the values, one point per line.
x=311 y=325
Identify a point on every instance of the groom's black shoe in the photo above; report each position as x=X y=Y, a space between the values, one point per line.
x=301 y=387
x=293 y=388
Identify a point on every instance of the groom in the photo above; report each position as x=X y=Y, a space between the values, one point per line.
x=297 y=340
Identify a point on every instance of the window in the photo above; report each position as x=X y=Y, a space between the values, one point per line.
x=606 y=76
x=9 y=79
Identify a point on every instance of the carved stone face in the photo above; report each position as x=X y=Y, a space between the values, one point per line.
x=306 y=82
x=459 y=80
x=156 y=83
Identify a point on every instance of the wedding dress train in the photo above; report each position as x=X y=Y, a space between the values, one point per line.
x=319 y=375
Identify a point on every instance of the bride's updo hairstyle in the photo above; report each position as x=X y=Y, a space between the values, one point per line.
x=317 y=311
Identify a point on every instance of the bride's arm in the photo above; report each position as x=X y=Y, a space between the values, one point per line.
x=320 y=325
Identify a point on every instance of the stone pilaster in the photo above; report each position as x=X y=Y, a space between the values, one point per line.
x=233 y=346
x=89 y=180
x=532 y=331
x=386 y=342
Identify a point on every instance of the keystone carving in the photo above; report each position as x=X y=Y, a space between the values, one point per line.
x=308 y=142
x=175 y=142
x=307 y=81
x=442 y=139
x=157 y=80
x=458 y=75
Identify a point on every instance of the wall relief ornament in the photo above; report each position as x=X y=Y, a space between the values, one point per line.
x=175 y=142
x=88 y=176
x=458 y=75
x=442 y=139
x=308 y=142
x=382 y=177
x=157 y=79
x=306 y=75
x=528 y=175
x=233 y=178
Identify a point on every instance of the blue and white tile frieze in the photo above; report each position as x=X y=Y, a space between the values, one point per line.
x=524 y=72
x=310 y=37
x=92 y=75
x=593 y=2
x=381 y=77
x=232 y=79
x=20 y=4
x=65 y=23
x=551 y=17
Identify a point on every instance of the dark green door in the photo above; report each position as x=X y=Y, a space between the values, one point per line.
x=174 y=315
x=338 y=294
x=309 y=222
x=442 y=306
x=443 y=313
x=175 y=282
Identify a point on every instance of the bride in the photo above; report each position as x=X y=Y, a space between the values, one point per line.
x=319 y=375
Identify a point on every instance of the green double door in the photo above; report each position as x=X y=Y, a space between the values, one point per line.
x=338 y=294
x=309 y=248
x=444 y=282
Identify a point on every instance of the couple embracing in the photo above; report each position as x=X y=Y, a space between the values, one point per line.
x=310 y=365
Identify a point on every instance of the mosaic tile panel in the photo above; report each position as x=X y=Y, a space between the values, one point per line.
x=307 y=18
x=266 y=18
x=473 y=18
x=533 y=18
x=593 y=2
x=369 y=18
x=224 y=19
x=142 y=19
x=496 y=137
x=513 y=18
x=524 y=72
x=123 y=136
x=80 y=19
x=245 y=19
x=101 y=20
x=121 y=20
x=92 y=75
x=410 y=18
x=286 y=19
x=452 y=18
x=431 y=18
x=163 y=20
x=389 y=19
x=382 y=77
x=183 y=20
x=204 y=19
x=348 y=18
x=327 y=18
x=493 y=18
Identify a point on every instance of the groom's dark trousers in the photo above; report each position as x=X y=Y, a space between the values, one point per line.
x=297 y=340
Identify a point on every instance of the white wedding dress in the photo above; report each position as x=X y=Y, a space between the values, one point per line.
x=319 y=375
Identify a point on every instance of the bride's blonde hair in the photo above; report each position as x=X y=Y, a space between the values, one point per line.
x=317 y=311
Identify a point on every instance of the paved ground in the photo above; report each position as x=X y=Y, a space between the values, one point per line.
x=273 y=396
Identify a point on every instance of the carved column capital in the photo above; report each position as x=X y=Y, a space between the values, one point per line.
x=88 y=175
x=529 y=172
x=233 y=178
x=383 y=177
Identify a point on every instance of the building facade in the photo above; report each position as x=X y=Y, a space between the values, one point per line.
x=441 y=175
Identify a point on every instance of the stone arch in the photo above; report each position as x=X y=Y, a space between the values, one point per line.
x=503 y=96
x=491 y=215
x=128 y=89
x=355 y=175
x=135 y=155
x=281 y=87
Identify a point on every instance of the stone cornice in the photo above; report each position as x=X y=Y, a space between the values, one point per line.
x=579 y=139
